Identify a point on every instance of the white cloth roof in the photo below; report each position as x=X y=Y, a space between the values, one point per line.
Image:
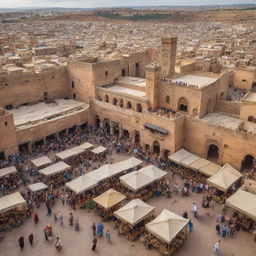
x=244 y=202
x=224 y=178
x=70 y=152
x=194 y=162
x=86 y=145
x=81 y=184
x=153 y=172
x=179 y=155
x=134 y=212
x=101 y=173
x=166 y=225
x=98 y=150
x=6 y=171
x=37 y=187
x=11 y=201
x=55 y=168
x=41 y=161
x=136 y=180
x=109 y=198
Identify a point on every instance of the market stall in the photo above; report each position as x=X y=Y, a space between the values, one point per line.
x=244 y=204
x=108 y=202
x=13 y=211
x=167 y=232
x=132 y=217
x=83 y=189
x=38 y=191
x=72 y=156
x=41 y=162
x=225 y=182
x=86 y=146
x=56 y=174
x=192 y=166
x=9 y=179
x=137 y=184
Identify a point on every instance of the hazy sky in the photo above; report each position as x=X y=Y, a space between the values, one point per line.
x=110 y=3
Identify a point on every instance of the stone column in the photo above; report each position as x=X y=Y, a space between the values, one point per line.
x=111 y=128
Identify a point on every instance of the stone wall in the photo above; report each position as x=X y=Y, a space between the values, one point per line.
x=18 y=89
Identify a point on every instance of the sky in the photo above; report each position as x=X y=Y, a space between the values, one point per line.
x=112 y=3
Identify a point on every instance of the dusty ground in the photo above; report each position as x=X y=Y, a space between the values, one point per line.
x=199 y=243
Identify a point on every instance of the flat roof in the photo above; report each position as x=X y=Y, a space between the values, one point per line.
x=30 y=115
x=133 y=80
x=194 y=80
x=124 y=90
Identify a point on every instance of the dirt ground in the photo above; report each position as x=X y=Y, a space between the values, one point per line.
x=199 y=243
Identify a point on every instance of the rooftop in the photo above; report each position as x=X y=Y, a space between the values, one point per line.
x=27 y=116
x=127 y=91
x=133 y=80
x=194 y=80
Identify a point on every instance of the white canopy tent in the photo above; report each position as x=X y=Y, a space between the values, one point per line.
x=192 y=161
x=224 y=178
x=167 y=225
x=55 y=168
x=37 y=187
x=86 y=146
x=136 y=180
x=64 y=155
x=41 y=161
x=7 y=171
x=153 y=172
x=98 y=150
x=11 y=201
x=244 y=202
x=81 y=184
x=134 y=212
x=100 y=174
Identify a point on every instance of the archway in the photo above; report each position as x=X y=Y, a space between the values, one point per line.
x=139 y=107
x=137 y=137
x=129 y=105
x=115 y=101
x=121 y=103
x=156 y=147
x=183 y=104
x=97 y=121
x=115 y=129
x=126 y=134
x=123 y=72
x=247 y=163
x=106 y=98
x=213 y=153
x=107 y=125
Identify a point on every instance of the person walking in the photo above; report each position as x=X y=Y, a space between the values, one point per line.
x=218 y=229
x=216 y=249
x=71 y=219
x=21 y=242
x=190 y=226
x=223 y=231
x=195 y=210
x=94 y=243
x=46 y=234
x=100 y=229
x=31 y=239
x=108 y=236
x=94 y=229
x=36 y=219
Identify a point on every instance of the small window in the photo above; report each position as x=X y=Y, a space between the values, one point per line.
x=106 y=73
x=6 y=123
x=5 y=84
x=167 y=100
x=74 y=96
x=73 y=84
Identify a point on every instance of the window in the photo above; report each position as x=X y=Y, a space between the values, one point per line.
x=6 y=124
x=106 y=73
x=73 y=84
x=167 y=100
x=129 y=105
x=74 y=96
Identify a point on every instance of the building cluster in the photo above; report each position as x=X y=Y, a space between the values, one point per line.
x=195 y=91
